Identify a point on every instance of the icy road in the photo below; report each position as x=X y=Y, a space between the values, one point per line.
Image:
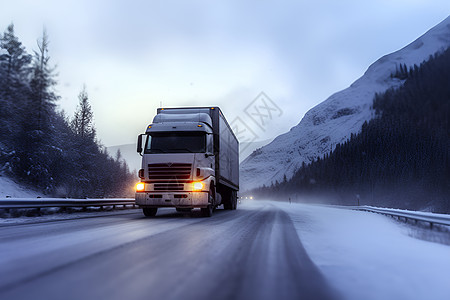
x=252 y=253
x=264 y=250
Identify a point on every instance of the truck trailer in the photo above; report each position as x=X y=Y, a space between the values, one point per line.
x=190 y=159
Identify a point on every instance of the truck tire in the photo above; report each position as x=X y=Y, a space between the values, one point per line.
x=208 y=211
x=231 y=200
x=226 y=200
x=234 y=200
x=149 y=212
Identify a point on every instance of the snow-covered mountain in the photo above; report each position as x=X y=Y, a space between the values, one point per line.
x=247 y=148
x=332 y=121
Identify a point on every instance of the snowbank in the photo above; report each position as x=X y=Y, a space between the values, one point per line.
x=369 y=256
x=9 y=188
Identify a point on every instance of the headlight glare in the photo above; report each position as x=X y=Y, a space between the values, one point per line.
x=197 y=186
x=140 y=187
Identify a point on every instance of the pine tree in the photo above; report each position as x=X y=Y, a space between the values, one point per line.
x=83 y=121
x=38 y=150
x=14 y=70
x=43 y=97
x=86 y=157
x=119 y=156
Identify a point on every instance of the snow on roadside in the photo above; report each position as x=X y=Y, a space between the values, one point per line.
x=369 y=256
x=9 y=188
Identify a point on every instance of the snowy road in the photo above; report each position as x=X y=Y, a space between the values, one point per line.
x=251 y=253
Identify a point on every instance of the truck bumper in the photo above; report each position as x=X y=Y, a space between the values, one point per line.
x=181 y=200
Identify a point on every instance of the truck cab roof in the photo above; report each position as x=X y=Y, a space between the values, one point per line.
x=163 y=117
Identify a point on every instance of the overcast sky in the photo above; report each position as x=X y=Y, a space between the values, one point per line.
x=134 y=55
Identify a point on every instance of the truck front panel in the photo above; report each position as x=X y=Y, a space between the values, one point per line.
x=171 y=199
x=178 y=180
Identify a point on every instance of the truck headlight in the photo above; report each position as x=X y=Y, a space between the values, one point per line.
x=140 y=187
x=197 y=186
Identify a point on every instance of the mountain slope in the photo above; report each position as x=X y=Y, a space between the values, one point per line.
x=332 y=121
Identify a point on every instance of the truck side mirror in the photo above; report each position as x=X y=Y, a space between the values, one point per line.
x=139 y=144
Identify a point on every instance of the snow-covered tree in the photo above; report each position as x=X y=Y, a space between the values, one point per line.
x=38 y=149
x=41 y=146
x=14 y=70
x=43 y=96
x=83 y=121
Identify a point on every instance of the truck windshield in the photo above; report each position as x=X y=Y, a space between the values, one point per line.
x=176 y=142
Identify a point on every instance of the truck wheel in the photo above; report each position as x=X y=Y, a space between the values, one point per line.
x=208 y=211
x=226 y=200
x=231 y=200
x=149 y=212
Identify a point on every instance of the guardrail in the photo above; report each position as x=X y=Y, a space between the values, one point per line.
x=430 y=218
x=19 y=203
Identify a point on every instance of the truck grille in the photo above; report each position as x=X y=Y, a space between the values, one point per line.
x=169 y=187
x=169 y=172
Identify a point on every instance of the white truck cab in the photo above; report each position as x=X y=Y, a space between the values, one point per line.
x=190 y=159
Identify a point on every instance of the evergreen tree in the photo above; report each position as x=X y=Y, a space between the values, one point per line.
x=14 y=70
x=41 y=146
x=85 y=145
x=37 y=150
x=42 y=97
x=119 y=155
x=83 y=121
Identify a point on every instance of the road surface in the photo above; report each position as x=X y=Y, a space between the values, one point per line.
x=251 y=253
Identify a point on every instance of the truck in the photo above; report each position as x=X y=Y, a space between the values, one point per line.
x=190 y=160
